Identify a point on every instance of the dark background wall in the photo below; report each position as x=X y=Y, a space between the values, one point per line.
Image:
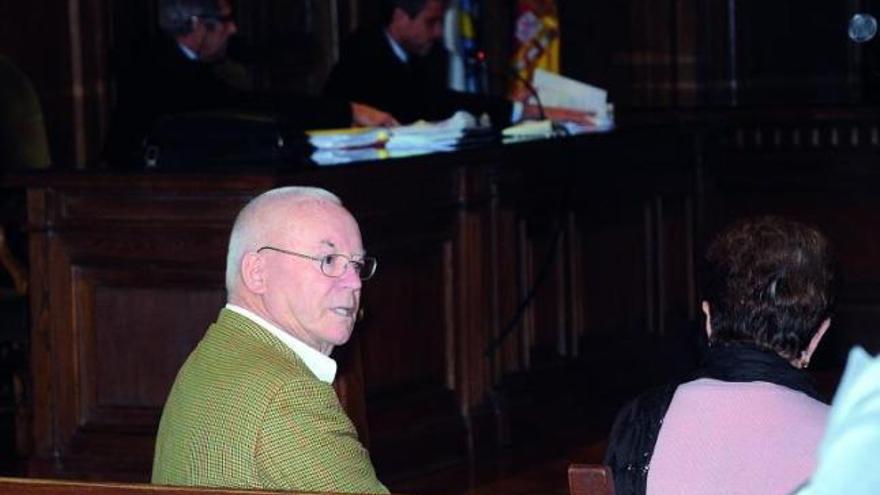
x=671 y=54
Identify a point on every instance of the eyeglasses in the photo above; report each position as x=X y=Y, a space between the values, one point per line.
x=222 y=19
x=336 y=264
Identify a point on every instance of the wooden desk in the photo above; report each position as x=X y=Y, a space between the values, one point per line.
x=127 y=271
x=461 y=239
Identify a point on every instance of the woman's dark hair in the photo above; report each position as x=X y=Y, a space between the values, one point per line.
x=768 y=282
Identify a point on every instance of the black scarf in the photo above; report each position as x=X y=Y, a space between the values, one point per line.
x=748 y=363
x=637 y=426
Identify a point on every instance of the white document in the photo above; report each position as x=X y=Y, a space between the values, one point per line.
x=334 y=139
x=560 y=91
x=437 y=136
x=442 y=135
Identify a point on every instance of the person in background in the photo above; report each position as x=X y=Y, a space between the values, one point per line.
x=23 y=141
x=253 y=405
x=400 y=67
x=190 y=72
x=750 y=419
x=851 y=446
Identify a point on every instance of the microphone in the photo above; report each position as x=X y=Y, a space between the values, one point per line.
x=480 y=58
x=862 y=28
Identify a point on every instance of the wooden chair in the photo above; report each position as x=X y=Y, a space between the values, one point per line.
x=590 y=479
x=24 y=486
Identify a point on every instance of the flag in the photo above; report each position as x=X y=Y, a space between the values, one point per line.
x=536 y=42
x=467 y=71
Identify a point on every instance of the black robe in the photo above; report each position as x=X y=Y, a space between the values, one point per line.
x=370 y=72
x=161 y=80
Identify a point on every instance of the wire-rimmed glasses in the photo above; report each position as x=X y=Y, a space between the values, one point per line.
x=336 y=264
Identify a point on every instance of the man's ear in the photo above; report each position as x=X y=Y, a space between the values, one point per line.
x=705 y=307
x=253 y=272
x=398 y=15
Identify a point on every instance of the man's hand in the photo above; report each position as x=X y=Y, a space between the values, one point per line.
x=367 y=116
x=560 y=114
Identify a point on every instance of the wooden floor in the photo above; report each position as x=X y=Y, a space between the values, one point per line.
x=542 y=471
x=546 y=433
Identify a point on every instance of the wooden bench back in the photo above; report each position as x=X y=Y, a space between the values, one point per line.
x=590 y=479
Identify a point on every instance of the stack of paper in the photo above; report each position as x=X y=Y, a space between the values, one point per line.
x=560 y=91
x=334 y=139
x=442 y=135
x=529 y=129
x=341 y=156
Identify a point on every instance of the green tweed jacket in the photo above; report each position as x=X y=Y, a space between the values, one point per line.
x=246 y=412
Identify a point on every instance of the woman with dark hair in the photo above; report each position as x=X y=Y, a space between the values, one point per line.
x=749 y=421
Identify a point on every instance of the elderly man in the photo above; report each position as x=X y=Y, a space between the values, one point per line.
x=189 y=72
x=253 y=406
x=400 y=67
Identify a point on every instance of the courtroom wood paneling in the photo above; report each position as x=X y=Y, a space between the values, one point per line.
x=809 y=61
x=400 y=345
x=649 y=54
x=461 y=238
x=138 y=376
x=131 y=272
x=119 y=331
x=819 y=168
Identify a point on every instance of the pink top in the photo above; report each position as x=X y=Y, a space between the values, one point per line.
x=736 y=438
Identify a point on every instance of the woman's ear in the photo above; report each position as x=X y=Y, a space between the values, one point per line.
x=705 y=307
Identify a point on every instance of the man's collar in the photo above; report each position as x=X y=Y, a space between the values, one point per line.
x=323 y=367
x=396 y=48
x=191 y=55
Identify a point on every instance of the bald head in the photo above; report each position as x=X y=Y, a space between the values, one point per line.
x=260 y=221
x=295 y=260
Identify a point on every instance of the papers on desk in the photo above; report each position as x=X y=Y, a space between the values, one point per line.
x=342 y=156
x=348 y=145
x=336 y=139
x=442 y=135
x=542 y=129
x=529 y=129
x=560 y=91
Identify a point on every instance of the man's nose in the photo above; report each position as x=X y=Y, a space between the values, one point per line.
x=232 y=28
x=351 y=278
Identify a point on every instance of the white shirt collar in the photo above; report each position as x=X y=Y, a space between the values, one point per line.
x=187 y=52
x=397 y=49
x=323 y=367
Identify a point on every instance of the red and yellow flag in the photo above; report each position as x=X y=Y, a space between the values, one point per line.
x=536 y=41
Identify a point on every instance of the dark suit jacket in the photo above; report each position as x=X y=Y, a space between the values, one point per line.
x=161 y=80
x=369 y=72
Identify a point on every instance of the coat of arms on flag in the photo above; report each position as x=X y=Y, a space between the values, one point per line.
x=536 y=42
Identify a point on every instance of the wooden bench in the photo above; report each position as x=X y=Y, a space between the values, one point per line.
x=27 y=486
x=590 y=479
